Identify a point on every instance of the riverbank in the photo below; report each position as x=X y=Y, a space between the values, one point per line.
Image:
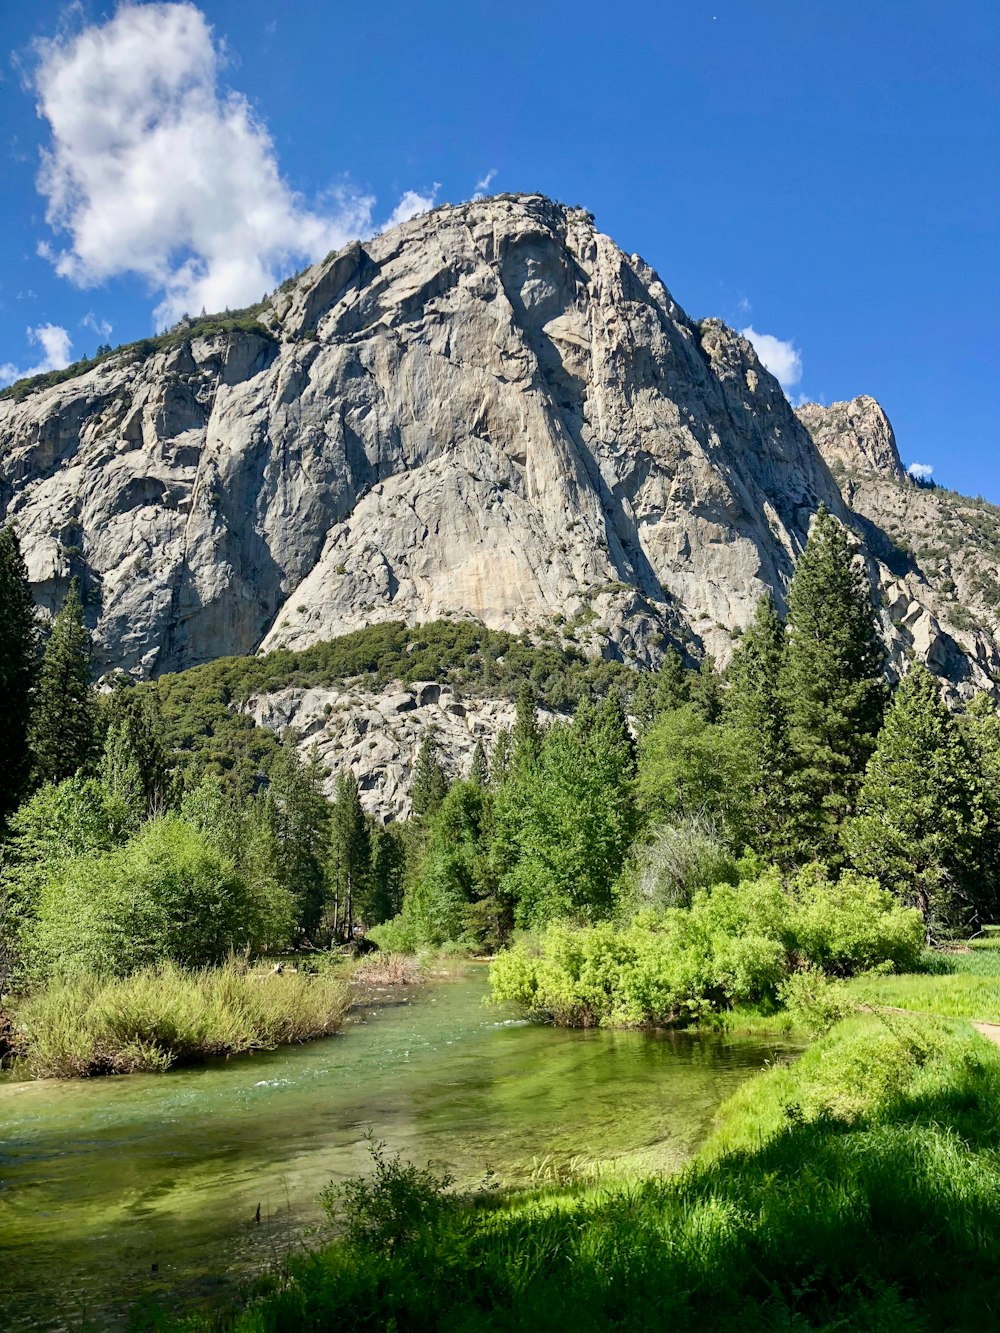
x=857 y=1189
x=165 y=1016
x=145 y=1189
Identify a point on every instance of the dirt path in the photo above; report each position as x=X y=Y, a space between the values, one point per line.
x=989 y=1030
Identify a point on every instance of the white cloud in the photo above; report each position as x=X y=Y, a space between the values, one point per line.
x=781 y=358
x=410 y=205
x=482 y=186
x=100 y=326
x=920 y=471
x=154 y=169
x=55 y=343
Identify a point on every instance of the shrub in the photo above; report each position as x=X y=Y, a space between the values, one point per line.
x=167 y=894
x=684 y=855
x=392 y=1207
x=736 y=944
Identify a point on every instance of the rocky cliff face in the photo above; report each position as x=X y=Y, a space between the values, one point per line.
x=490 y=411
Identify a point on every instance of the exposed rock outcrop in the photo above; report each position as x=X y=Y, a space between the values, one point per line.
x=856 y=434
x=489 y=411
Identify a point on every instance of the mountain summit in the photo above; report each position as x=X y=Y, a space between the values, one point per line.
x=490 y=411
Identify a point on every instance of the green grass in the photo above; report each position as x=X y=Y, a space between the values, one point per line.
x=856 y=1190
x=165 y=1016
x=959 y=995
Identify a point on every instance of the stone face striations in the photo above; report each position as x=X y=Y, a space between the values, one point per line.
x=490 y=411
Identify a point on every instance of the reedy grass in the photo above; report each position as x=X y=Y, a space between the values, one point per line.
x=163 y=1016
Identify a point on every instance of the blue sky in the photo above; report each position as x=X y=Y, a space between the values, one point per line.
x=827 y=174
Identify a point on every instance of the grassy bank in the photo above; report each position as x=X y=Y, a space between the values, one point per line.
x=858 y=1189
x=164 y=1016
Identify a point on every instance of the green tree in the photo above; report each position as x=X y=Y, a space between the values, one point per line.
x=167 y=894
x=429 y=783
x=752 y=711
x=479 y=770
x=299 y=814
x=980 y=726
x=831 y=687
x=689 y=768
x=18 y=671
x=662 y=690
x=577 y=818
x=64 y=729
x=350 y=858
x=385 y=884
x=135 y=747
x=705 y=689
x=920 y=818
x=526 y=736
x=449 y=879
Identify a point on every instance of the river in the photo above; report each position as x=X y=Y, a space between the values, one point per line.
x=119 y=1191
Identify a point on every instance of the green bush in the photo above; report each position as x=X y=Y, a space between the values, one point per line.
x=166 y=894
x=735 y=945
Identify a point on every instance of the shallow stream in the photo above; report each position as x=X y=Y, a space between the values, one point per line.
x=117 y=1191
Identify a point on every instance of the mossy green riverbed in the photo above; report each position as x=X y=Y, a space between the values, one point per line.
x=119 y=1191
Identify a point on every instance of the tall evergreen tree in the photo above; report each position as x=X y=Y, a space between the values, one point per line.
x=752 y=710
x=662 y=690
x=350 y=861
x=64 y=728
x=299 y=814
x=705 y=689
x=385 y=884
x=19 y=639
x=831 y=687
x=526 y=736
x=429 y=783
x=499 y=764
x=135 y=747
x=479 y=771
x=920 y=818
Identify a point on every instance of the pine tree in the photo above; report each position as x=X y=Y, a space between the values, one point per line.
x=980 y=727
x=920 y=818
x=299 y=814
x=429 y=784
x=831 y=686
x=19 y=641
x=705 y=689
x=135 y=749
x=385 y=885
x=479 y=771
x=663 y=690
x=526 y=737
x=499 y=764
x=752 y=710
x=350 y=860
x=64 y=731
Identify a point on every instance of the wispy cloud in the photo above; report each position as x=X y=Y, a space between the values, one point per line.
x=782 y=358
x=155 y=169
x=55 y=344
x=100 y=326
x=920 y=471
x=482 y=187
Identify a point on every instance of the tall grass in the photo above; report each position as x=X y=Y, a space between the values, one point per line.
x=857 y=1190
x=165 y=1016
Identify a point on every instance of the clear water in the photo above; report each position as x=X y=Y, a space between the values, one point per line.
x=101 y=1181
